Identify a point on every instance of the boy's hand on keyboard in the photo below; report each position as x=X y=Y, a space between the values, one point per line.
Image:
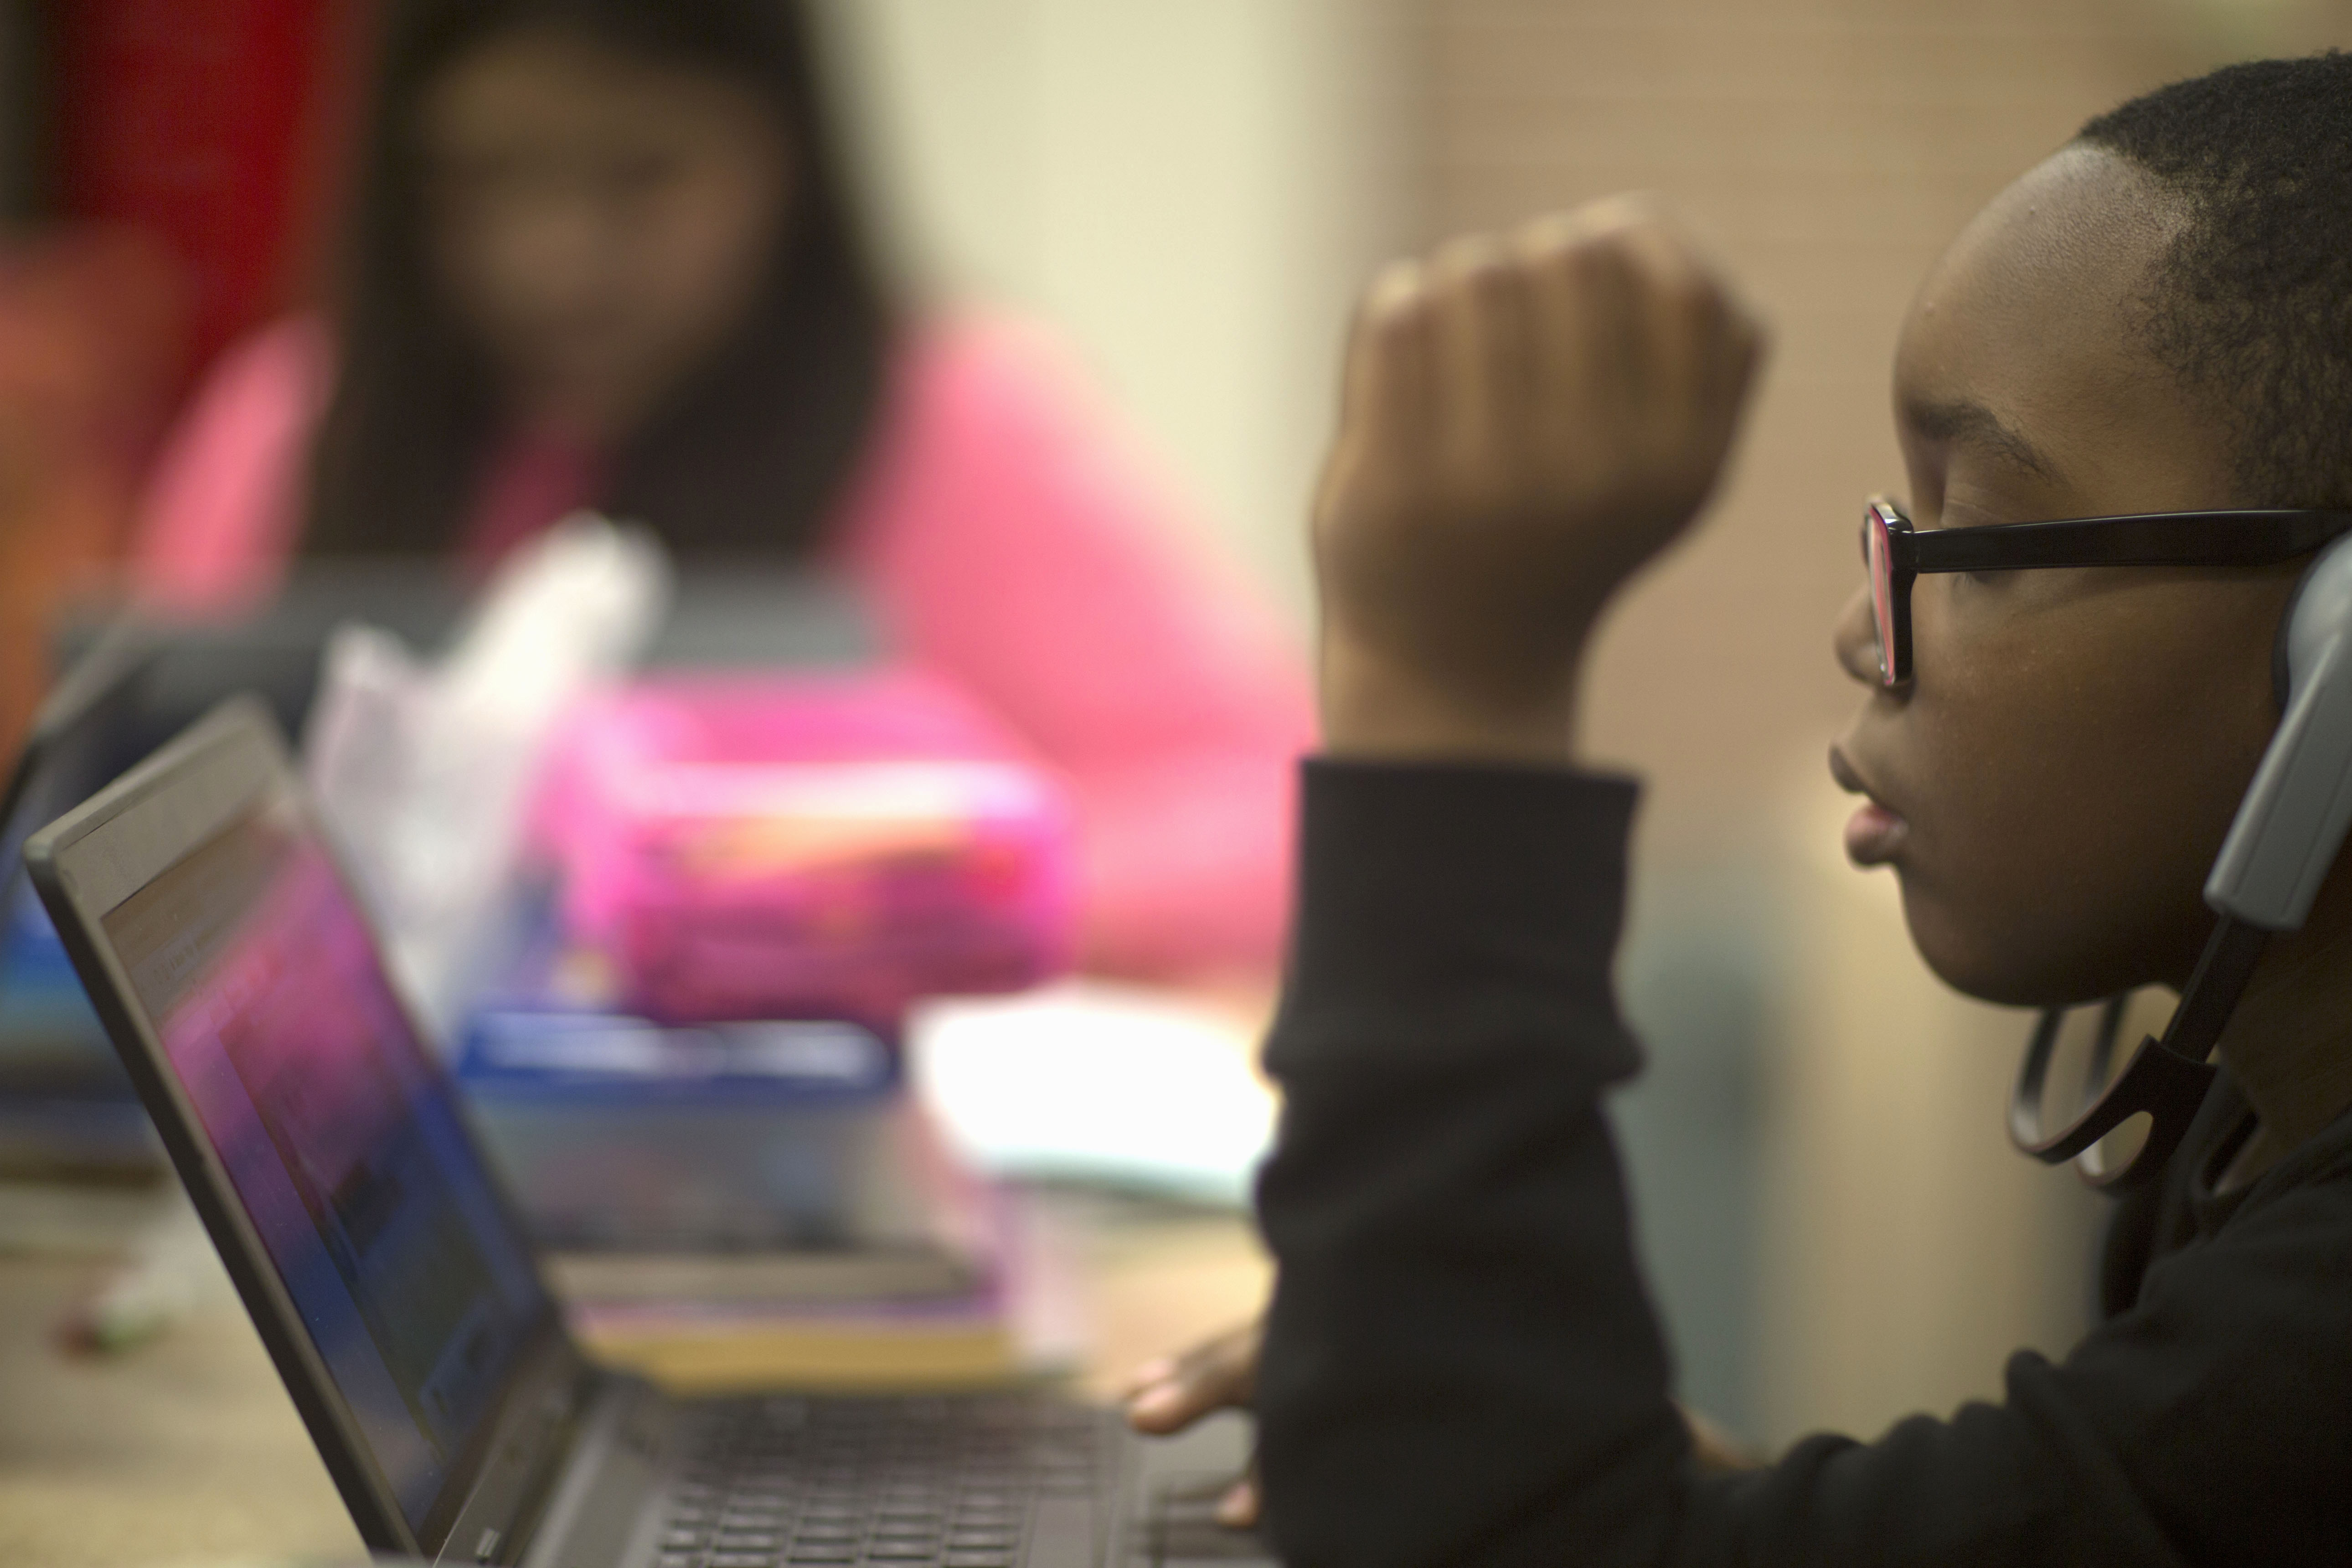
x=1169 y=1396
x=1526 y=420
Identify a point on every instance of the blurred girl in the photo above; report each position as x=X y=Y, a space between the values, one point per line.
x=605 y=256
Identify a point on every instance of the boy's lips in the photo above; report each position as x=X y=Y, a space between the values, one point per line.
x=1874 y=833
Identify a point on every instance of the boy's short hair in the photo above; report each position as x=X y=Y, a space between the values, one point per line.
x=2252 y=305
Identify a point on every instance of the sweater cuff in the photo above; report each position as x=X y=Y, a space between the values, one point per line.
x=1455 y=893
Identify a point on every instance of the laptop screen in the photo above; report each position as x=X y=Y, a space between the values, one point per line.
x=340 y=1137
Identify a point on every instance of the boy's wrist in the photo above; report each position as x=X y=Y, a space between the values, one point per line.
x=1377 y=707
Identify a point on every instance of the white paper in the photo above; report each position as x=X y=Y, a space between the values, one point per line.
x=1091 y=1082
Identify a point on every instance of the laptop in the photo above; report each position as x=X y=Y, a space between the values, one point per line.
x=724 y=615
x=66 y=1107
x=130 y=682
x=398 y=1294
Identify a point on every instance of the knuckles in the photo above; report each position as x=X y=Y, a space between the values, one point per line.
x=1396 y=300
x=1588 y=364
x=1529 y=416
x=1623 y=263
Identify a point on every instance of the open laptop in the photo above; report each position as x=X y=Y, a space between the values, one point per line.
x=131 y=681
x=66 y=1107
x=399 y=1296
x=724 y=615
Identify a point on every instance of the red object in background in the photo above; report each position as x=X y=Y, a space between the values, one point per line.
x=90 y=348
x=214 y=125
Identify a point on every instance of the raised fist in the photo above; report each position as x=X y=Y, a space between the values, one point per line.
x=1526 y=420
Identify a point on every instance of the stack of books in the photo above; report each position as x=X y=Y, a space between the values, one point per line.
x=739 y=1206
x=692 y=1073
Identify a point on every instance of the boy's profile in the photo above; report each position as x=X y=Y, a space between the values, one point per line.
x=1459 y=1364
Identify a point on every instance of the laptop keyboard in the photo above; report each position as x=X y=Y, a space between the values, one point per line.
x=896 y=1483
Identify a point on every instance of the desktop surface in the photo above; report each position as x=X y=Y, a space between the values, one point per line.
x=187 y=1448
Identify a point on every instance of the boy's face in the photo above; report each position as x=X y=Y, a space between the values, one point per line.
x=2054 y=783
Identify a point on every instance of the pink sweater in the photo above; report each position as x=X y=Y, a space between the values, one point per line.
x=1010 y=538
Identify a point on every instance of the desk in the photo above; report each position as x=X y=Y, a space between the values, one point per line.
x=187 y=1448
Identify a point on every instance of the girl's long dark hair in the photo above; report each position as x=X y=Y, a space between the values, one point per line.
x=747 y=459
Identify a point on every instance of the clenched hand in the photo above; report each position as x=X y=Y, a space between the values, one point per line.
x=1526 y=420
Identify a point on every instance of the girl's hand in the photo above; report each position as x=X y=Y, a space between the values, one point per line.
x=1526 y=420
x=1169 y=1396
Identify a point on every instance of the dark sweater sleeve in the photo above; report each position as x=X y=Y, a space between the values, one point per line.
x=1457 y=1323
x=1461 y=1366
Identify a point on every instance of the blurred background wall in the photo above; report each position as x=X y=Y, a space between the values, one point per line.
x=1190 y=191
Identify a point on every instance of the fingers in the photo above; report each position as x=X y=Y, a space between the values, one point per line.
x=1158 y=1397
x=1482 y=360
x=1698 y=322
x=1172 y=1403
x=1241 y=1507
x=1715 y=1450
x=1542 y=352
x=1388 y=360
x=1170 y=1395
x=1592 y=362
x=1640 y=320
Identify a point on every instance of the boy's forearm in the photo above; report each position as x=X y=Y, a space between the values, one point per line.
x=1376 y=709
x=1460 y=1364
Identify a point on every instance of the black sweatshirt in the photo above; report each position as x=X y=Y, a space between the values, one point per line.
x=1462 y=1367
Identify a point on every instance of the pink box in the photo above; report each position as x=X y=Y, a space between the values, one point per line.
x=779 y=847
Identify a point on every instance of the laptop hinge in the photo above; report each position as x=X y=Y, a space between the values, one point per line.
x=528 y=1452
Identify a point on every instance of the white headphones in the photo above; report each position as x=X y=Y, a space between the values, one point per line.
x=2280 y=846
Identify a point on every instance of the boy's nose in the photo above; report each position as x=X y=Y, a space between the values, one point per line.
x=1855 y=639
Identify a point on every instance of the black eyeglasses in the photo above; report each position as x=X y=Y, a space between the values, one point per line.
x=1896 y=553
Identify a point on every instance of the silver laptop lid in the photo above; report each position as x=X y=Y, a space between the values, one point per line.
x=322 y=1143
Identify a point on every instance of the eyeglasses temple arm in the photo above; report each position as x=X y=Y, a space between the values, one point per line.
x=2170 y=539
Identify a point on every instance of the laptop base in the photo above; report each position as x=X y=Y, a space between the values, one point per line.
x=957 y=1481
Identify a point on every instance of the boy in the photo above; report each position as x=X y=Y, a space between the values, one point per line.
x=1459 y=1364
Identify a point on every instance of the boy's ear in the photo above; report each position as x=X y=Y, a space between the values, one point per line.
x=2285 y=838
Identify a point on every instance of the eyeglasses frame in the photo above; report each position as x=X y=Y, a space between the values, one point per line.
x=2257 y=537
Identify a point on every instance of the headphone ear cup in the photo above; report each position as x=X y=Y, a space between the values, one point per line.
x=2284 y=837
x=2281 y=665
x=2317 y=612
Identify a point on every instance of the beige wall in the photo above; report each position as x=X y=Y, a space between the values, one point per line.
x=1189 y=189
